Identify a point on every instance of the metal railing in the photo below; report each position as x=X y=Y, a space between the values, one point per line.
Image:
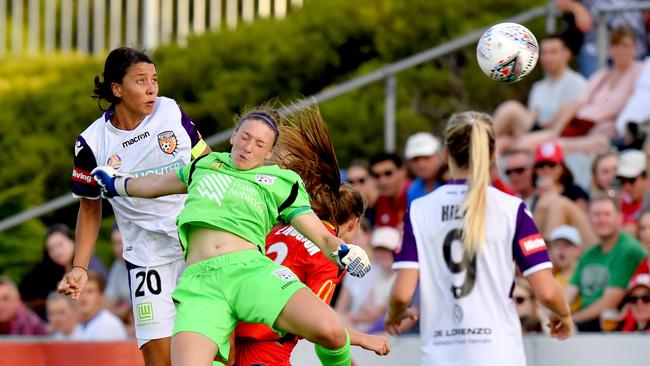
x=143 y=23
x=386 y=73
x=602 y=12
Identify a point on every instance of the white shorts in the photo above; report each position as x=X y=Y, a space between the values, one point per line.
x=151 y=295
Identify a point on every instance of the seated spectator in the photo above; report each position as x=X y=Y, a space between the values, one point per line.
x=358 y=175
x=588 y=125
x=559 y=88
x=633 y=121
x=58 y=253
x=15 y=318
x=422 y=154
x=643 y=235
x=631 y=175
x=638 y=304
x=519 y=171
x=392 y=182
x=551 y=174
x=527 y=307
x=117 y=294
x=384 y=240
x=63 y=315
x=603 y=172
x=97 y=323
x=564 y=249
x=603 y=270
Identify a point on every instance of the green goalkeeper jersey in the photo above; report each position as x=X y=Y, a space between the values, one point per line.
x=246 y=203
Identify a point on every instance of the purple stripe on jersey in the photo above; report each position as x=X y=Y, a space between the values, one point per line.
x=409 y=250
x=457 y=181
x=528 y=246
x=110 y=112
x=190 y=127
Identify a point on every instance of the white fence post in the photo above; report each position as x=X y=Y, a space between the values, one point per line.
x=215 y=15
x=33 y=25
x=17 y=29
x=66 y=25
x=166 y=20
x=183 y=25
x=3 y=27
x=199 y=15
x=296 y=4
x=232 y=13
x=99 y=27
x=115 y=24
x=248 y=10
x=132 y=10
x=280 y=9
x=82 y=26
x=150 y=25
x=49 y=26
x=264 y=8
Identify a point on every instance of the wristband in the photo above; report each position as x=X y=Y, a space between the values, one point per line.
x=120 y=186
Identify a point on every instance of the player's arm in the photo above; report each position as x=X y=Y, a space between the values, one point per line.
x=611 y=298
x=571 y=293
x=400 y=298
x=549 y=293
x=378 y=344
x=150 y=186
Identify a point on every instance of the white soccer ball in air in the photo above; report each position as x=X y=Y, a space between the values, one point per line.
x=507 y=52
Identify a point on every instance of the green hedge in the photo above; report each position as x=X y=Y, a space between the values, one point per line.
x=45 y=102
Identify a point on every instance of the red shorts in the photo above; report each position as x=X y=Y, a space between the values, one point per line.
x=263 y=353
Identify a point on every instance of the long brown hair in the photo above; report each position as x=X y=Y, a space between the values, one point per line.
x=305 y=146
x=469 y=138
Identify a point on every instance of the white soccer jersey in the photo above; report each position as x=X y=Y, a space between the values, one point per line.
x=467 y=313
x=164 y=141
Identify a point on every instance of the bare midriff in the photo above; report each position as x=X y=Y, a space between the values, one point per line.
x=205 y=243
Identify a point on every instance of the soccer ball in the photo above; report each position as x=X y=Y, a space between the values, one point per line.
x=507 y=52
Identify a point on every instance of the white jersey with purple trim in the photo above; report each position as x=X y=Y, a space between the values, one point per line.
x=467 y=313
x=164 y=141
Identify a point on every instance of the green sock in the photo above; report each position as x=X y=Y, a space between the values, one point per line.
x=335 y=357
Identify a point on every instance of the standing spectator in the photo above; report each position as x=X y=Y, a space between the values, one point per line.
x=631 y=174
x=422 y=154
x=603 y=271
x=603 y=172
x=584 y=14
x=638 y=300
x=560 y=87
x=63 y=315
x=99 y=324
x=637 y=110
x=15 y=318
x=519 y=170
x=393 y=184
x=58 y=251
x=117 y=294
x=358 y=174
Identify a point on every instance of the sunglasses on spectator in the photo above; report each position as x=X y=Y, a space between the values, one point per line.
x=386 y=173
x=634 y=299
x=361 y=180
x=520 y=299
x=517 y=170
x=550 y=164
x=624 y=180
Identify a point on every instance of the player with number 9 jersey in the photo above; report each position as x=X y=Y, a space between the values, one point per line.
x=464 y=241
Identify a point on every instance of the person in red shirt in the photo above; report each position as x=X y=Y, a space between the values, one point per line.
x=15 y=318
x=393 y=183
x=341 y=208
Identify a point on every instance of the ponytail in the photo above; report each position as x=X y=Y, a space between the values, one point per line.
x=470 y=141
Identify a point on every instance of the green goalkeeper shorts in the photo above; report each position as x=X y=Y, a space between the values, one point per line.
x=213 y=295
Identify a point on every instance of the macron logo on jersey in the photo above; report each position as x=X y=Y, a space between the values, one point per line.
x=132 y=141
x=532 y=244
x=77 y=148
x=82 y=176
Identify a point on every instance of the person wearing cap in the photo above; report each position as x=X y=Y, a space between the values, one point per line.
x=603 y=270
x=564 y=248
x=552 y=175
x=631 y=176
x=422 y=154
x=637 y=298
x=390 y=174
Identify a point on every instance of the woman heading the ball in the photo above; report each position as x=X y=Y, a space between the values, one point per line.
x=233 y=201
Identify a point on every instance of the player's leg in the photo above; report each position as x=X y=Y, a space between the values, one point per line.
x=309 y=317
x=157 y=352
x=192 y=349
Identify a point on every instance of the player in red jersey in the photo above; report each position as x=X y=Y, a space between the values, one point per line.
x=341 y=208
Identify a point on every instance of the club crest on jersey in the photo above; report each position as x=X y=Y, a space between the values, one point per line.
x=284 y=274
x=265 y=179
x=114 y=161
x=167 y=142
x=532 y=244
